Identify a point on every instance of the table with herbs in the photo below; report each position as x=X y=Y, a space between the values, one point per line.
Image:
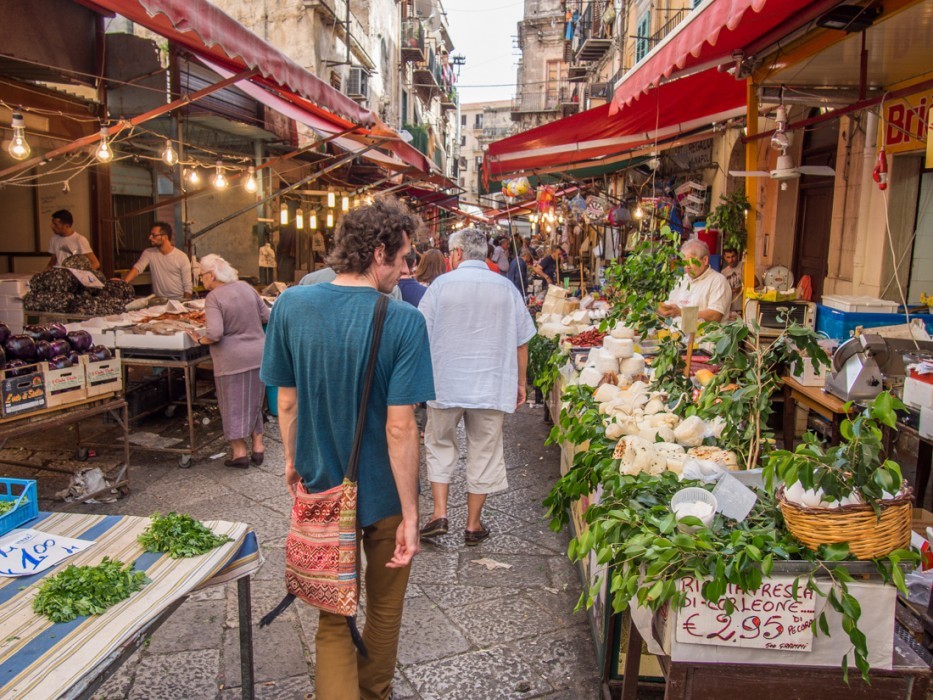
x=68 y=627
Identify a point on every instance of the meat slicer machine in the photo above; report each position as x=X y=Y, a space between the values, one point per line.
x=862 y=366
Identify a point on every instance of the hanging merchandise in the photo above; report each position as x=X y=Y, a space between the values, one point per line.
x=596 y=209
x=578 y=204
x=619 y=216
x=545 y=198
x=880 y=173
x=516 y=187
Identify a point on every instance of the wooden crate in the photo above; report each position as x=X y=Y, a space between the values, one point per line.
x=65 y=386
x=104 y=377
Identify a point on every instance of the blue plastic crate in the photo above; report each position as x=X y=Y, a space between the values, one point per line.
x=841 y=325
x=24 y=492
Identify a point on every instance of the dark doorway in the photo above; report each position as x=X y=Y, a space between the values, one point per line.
x=815 y=206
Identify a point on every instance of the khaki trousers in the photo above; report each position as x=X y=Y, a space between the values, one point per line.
x=343 y=674
x=485 y=462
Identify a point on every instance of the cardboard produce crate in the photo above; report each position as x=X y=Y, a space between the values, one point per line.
x=104 y=377
x=23 y=394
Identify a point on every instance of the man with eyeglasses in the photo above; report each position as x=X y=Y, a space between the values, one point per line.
x=701 y=286
x=171 y=269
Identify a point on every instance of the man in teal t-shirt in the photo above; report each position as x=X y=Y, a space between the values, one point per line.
x=317 y=346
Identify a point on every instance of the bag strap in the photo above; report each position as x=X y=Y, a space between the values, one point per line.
x=379 y=315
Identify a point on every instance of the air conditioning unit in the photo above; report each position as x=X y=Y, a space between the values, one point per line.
x=357 y=86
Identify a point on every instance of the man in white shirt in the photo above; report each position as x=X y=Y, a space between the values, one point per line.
x=479 y=330
x=500 y=255
x=66 y=241
x=171 y=269
x=700 y=286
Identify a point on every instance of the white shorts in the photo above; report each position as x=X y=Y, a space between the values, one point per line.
x=485 y=464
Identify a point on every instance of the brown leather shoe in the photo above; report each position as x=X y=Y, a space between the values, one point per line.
x=471 y=538
x=435 y=528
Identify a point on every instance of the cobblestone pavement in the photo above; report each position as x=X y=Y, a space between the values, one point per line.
x=469 y=632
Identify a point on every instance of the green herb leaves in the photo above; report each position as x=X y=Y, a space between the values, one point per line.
x=87 y=590
x=179 y=536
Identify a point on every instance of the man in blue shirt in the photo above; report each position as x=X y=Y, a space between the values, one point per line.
x=317 y=346
x=518 y=271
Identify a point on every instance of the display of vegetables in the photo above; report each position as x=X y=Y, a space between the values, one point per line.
x=99 y=353
x=51 y=343
x=20 y=347
x=587 y=339
x=87 y=590
x=81 y=341
x=4 y=333
x=179 y=536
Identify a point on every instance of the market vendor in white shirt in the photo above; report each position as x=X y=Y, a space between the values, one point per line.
x=701 y=286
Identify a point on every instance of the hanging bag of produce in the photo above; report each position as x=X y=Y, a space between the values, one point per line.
x=321 y=550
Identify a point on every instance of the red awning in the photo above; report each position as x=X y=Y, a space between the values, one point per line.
x=208 y=32
x=711 y=35
x=675 y=108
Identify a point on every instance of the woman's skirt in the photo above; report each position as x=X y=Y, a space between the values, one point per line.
x=239 y=397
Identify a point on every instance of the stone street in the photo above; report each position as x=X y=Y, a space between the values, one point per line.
x=471 y=630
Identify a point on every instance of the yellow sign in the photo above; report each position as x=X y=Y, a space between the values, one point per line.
x=904 y=125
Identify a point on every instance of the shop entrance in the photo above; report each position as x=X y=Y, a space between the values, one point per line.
x=815 y=207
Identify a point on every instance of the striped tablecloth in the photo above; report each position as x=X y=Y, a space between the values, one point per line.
x=41 y=659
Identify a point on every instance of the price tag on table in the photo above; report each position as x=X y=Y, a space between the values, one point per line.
x=768 y=618
x=25 y=552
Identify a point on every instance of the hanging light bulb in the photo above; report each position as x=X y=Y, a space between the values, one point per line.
x=331 y=199
x=220 y=180
x=104 y=153
x=283 y=214
x=345 y=203
x=299 y=218
x=356 y=202
x=193 y=177
x=19 y=146
x=330 y=219
x=638 y=213
x=251 y=185
x=169 y=156
x=312 y=220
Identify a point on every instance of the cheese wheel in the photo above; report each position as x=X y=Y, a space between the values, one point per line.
x=626 y=348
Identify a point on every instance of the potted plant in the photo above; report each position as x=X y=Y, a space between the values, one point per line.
x=729 y=218
x=848 y=493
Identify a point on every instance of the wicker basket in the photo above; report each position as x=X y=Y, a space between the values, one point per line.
x=867 y=535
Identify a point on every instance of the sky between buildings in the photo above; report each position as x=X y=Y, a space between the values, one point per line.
x=482 y=30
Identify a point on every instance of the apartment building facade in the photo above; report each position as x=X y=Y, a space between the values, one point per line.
x=480 y=124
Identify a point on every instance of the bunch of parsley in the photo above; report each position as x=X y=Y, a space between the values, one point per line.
x=87 y=590
x=179 y=536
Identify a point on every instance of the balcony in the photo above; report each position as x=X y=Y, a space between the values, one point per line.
x=591 y=39
x=426 y=77
x=449 y=97
x=494 y=133
x=576 y=73
x=412 y=40
x=672 y=22
x=562 y=96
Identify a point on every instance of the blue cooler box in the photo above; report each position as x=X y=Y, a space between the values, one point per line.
x=841 y=325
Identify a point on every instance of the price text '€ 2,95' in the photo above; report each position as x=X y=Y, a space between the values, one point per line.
x=769 y=618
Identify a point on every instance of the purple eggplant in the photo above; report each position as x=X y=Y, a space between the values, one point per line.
x=81 y=341
x=20 y=347
x=60 y=347
x=17 y=368
x=4 y=333
x=44 y=351
x=37 y=333
x=2 y=358
x=73 y=358
x=60 y=362
x=56 y=331
x=99 y=353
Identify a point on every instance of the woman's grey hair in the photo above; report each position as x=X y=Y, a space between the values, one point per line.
x=471 y=242
x=220 y=268
x=698 y=248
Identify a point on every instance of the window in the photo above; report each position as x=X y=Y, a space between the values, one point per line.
x=696 y=3
x=462 y=141
x=556 y=74
x=643 y=36
x=478 y=121
x=404 y=106
x=463 y=120
x=463 y=164
x=479 y=163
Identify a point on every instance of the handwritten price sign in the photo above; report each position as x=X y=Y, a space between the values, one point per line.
x=25 y=552
x=768 y=618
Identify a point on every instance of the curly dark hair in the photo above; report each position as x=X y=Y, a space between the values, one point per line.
x=363 y=230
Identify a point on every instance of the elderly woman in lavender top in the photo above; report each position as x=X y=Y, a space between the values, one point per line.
x=234 y=316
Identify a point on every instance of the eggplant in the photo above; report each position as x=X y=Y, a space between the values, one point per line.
x=81 y=341
x=37 y=333
x=5 y=333
x=61 y=362
x=56 y=331
x=44 y=350
x=2 y=358
x=17 y=368
x=20 y=347
x=73 y=358
x=99 y=353
x=60 y=347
